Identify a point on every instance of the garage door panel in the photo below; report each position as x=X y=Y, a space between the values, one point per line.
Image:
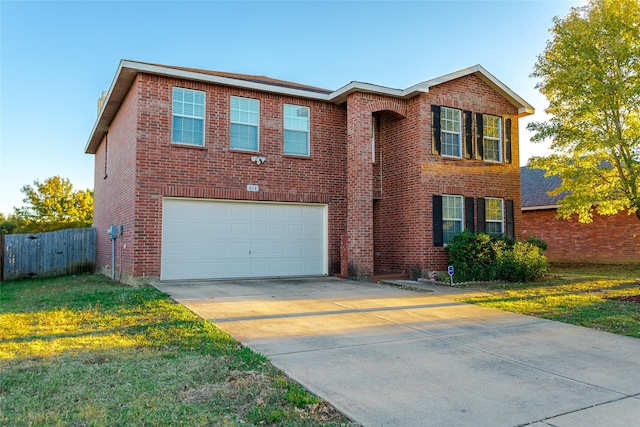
x=295 y=230
x=259 y=249
x=216 y=248
x=199 y=249
x=238 y=248
x=220 y=239
x=199 y=268
x=237 y=268
x=278 y=249
x=176 y=248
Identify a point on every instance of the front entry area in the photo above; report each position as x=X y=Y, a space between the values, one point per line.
x=215 y=239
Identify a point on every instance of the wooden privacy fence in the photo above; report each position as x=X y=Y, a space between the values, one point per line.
x=48 y=254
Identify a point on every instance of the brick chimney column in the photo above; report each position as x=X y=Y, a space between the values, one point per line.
x=359 y=189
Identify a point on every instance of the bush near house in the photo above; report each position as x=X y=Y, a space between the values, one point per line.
x=482 y=257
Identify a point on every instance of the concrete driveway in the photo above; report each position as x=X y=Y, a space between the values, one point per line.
x=387 y=356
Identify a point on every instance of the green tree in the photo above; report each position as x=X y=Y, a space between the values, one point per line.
x=10 y=224
x=54 y=205
x=590 y=73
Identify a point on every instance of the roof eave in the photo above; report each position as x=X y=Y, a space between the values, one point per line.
x=128 y=70
x=524 y=108
x=539 y=208
x=119 y=88
x=339 y=96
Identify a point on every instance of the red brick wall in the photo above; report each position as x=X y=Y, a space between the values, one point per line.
x=215 y=171
x=115 y=189
x=608 y=239
x=412 y=174
x=400 y=239
x=393 y=233
x=359 y=187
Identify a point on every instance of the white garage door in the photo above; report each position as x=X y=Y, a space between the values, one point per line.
x=205 y=239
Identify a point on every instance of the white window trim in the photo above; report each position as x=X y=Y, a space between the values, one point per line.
x=502 y=219
x=204 y=114
x=461 y=219
x=443 y=131
x=245 y=124
x=499 y=139
x=298 y=130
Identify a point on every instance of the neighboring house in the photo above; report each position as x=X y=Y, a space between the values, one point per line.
x=611 y=239
x=220 y=175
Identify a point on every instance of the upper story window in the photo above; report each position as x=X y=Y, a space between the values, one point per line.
x=492 y=138
x=494 y=216
x=245 y=123
x=188 y=116
x=296 y=130
x=450 y=126
x=452 y=217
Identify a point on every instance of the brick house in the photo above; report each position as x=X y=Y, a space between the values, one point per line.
x=611 y=239
x=219 y=175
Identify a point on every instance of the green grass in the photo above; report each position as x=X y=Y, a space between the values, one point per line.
x=82 y=350
x=580 y=295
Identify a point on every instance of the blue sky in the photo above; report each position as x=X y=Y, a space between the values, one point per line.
x=57 y=57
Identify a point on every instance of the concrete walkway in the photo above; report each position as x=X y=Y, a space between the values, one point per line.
x=387 y=356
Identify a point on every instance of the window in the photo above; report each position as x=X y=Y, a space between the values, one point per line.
x=296 y=130
x=494 y=219
x=245 y=120
x=450 y=125
x=452 y=217
x=188 y=117
x=492 y=140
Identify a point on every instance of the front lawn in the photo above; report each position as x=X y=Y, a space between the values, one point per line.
x=82 y=350
x=598 y=297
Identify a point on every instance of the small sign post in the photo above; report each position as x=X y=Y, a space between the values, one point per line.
x=451 y=274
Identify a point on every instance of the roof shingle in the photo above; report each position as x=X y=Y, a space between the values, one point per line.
x=534 y=187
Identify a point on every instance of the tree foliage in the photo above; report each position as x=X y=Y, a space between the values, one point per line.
x=11 y=224
x=590 y=73
x=49 y=206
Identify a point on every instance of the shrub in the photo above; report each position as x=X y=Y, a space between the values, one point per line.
x=524 y=262
x=471 y=255
x=535 y=241
x=481 y=257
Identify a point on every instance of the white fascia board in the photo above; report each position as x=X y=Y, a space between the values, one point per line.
x=102 y=122
x=539 y=208
x=524 y=108
x=340 y=95
x=226 y=81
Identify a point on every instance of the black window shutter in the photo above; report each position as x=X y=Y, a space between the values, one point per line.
x=510 y=220
x=468 y=134
x=435 y=126
x=480 y=136
x=468 y=214
x=507 y=141
x=438 y=235
x=480 y=216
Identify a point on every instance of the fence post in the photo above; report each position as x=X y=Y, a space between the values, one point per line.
x=2 y=257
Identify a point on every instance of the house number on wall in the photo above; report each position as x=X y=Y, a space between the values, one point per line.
x=252 y=188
